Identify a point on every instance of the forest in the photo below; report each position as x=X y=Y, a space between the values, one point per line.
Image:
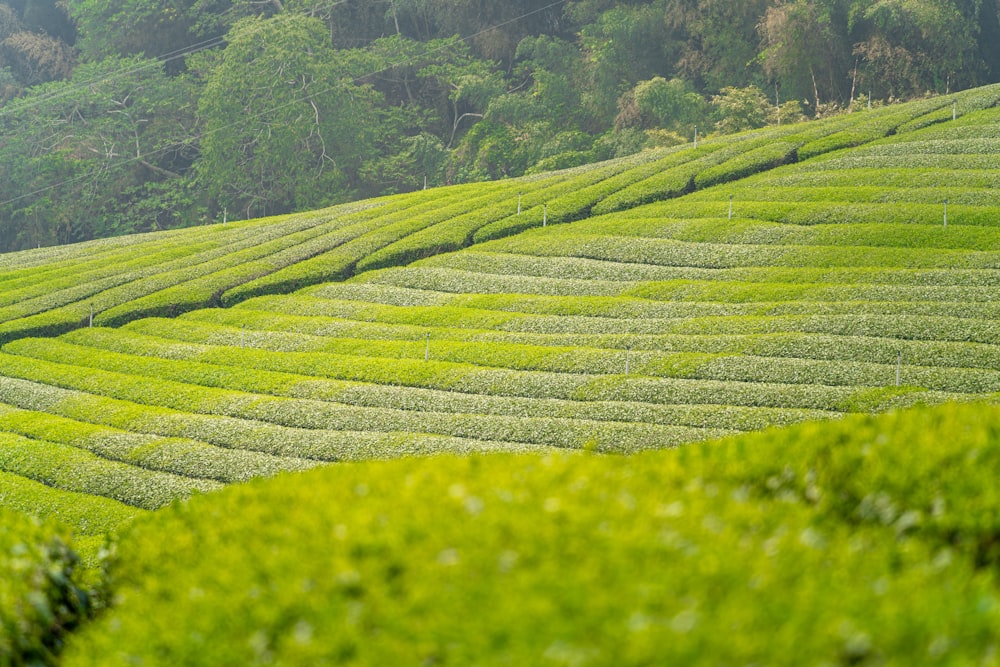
x=123 y=116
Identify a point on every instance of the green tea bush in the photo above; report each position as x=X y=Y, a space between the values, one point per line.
x=966 y=102
x=341 y=261
x=72 y=469
x=41 y=595
x=84 y=514
x=861 y=541
x=753 y=161
x=873 y=125
x=180 y=456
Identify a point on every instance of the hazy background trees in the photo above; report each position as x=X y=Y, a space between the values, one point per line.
x=130 y=115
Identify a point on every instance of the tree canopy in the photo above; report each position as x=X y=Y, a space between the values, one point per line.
x=126 y=115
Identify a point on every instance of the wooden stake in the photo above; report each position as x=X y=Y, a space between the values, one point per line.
x=730 y=207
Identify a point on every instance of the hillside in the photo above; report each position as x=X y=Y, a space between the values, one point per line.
x=793 y=274
x=127 y=116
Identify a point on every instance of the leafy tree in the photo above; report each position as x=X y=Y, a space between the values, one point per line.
x=285 y=127
x=153 y=28
x=101 y=154
x=35 y=58
x=623 y=46
x=802 y=50
x=912 y=46
x=657 y=103
x=717 y=41
x=741 y=109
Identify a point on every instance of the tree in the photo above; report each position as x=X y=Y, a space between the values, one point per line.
x=801 y=50
x=285 y=127
x=657 y=103
x=104 y=153
x=152 y=28
x=623 y=46
x=716 y=40
x=913 y=46
x=741 y=109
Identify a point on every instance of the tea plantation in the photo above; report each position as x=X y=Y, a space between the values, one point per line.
x=802 y=277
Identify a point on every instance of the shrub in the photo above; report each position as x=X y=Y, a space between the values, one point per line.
x=830 y=543
x=41 y=596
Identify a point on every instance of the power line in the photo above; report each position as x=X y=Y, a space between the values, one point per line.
x=152 y=63
x=356 y=81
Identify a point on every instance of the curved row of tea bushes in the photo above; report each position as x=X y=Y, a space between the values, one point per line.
x=296 y=401
x=234 y=433
x=180 y=456
x=85 y=514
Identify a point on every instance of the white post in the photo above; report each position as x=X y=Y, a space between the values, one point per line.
x=696 y=136
x=628 y=354
x=730 y=207
x=425 y=181
x=427 y=349
x=91 y=315
x=945 y=212
x=545 y=214
x=519 y=203
x=243 y=336
x=225 y=216
x=954 y=110
x=869 y=100
x=899 y=366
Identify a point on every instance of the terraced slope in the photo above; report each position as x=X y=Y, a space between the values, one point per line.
x=53 y=290
x=648 y=327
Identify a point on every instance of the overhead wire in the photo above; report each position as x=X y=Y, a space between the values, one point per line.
x=355 y=80
x=151 y=63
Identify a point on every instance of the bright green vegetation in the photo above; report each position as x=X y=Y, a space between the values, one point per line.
x=865 y=541
x=41 y=595
x=111 y=282
x=650 y=327
x=624 y=310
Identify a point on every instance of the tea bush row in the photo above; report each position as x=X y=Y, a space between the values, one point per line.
x=413 y=286
x=498 y=264
x=278 y=398
x=430 y=400
x=569 y=353
x=84 y=514
x=66 y=467
x=180 y=456
x=234 y=433
x=340 y=262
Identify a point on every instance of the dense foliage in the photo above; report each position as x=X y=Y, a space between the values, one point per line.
x=773 y=278
x=866 y=541
x=41 y=596
x=119 y=116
